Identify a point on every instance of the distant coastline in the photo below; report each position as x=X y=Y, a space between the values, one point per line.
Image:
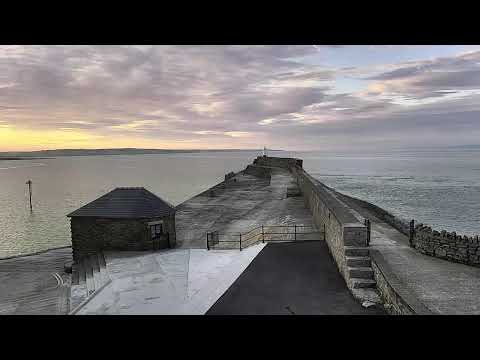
x=42 y=154
x=21 y=158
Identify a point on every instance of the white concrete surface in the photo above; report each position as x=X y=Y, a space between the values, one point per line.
x=172 y=282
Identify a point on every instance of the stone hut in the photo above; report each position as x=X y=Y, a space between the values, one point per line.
x=131 y=219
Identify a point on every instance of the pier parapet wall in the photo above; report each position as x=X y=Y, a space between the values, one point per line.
x=342 y=228
x=285 y=163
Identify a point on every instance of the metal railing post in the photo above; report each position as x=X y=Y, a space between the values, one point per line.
x=240 y=242
x=369 y=232
x=263 y=235
x=324 y=233
x=367 y=225
x=208 y=247
x=366 y=236
x=295 y=232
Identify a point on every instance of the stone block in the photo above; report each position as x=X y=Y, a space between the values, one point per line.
x=440 y=252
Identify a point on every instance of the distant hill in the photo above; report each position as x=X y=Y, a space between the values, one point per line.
x=18 y=155
x=465 y=147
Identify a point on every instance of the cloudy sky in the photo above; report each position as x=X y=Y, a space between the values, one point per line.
x=288 y=97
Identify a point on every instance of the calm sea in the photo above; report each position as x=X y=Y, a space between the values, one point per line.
x=441 y=188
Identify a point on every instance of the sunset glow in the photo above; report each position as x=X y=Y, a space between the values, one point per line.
x=289 y=97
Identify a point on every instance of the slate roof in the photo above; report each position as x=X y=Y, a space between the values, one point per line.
x=126 y=202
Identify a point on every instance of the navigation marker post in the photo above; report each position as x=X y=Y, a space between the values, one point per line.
x=29 y=183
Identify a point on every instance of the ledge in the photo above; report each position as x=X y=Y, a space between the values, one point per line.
x=35 y=253
x=90 y=297
x=339 y=209
x=408 y=299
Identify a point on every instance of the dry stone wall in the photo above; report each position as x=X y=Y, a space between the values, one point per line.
x=443 y=244
x=446 y=245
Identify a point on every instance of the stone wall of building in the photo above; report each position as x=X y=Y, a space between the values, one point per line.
x=91 y=235
x=446 y=245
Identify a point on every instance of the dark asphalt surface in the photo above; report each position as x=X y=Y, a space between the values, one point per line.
x=291 y=279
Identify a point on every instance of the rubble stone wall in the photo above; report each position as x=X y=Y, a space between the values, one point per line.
x=447 y=245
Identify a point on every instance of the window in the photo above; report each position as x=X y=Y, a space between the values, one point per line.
x=156 y=230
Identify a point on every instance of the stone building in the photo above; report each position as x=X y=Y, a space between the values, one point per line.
x=130 y=219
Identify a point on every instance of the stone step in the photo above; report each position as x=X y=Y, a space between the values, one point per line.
x=363 y=283
x=356 y=251
x=361 y=272
x=358 y=261
x=89 y=272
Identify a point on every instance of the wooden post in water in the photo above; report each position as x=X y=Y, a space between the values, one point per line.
x=29 y=183
x=412 y=232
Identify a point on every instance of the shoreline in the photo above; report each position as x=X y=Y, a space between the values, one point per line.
x=25 y=158
x=35 y=253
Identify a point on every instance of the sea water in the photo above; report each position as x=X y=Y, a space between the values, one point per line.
x=440 y=188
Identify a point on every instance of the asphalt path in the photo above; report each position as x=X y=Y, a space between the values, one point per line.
x=291 y=279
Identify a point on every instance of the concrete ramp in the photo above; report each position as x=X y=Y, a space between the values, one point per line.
x=171 y=282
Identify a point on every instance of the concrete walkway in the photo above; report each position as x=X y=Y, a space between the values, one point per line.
x=291 y=278
x=35 y=284
x=171 y=282
x=442 y=286
x=241 y=206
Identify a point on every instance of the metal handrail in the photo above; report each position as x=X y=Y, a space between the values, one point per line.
x=262 y=233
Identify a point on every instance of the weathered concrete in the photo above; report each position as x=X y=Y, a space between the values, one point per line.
x=169 y=282
x=241 y=204
x=291 y=278
x=35 y=284
x=442 y=286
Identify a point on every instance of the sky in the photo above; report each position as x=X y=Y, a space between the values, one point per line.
x=308 y=97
